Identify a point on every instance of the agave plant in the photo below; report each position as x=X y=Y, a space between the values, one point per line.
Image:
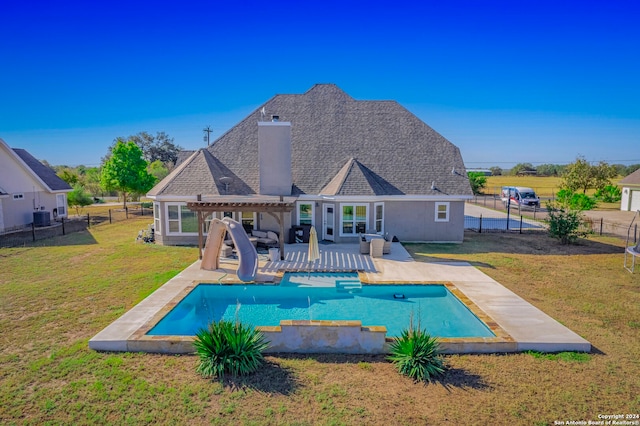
x=228 y=347
x=416 y=354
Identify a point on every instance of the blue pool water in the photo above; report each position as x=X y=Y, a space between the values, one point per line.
x=324 y=297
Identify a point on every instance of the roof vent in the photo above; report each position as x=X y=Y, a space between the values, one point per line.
x=275 y=118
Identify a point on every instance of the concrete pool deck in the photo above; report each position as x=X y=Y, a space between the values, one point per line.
x=518 y=325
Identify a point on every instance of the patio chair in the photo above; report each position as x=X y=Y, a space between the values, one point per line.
x=377 y=247
x=364 y=245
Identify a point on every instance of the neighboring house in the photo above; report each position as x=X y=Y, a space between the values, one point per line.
x=28 y=186
x=630 y=192
x=347 y=166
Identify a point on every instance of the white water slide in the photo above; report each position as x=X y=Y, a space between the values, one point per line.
x=247 y=254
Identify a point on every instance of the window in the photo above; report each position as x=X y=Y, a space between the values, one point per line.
x=305 y=214
x=248 y=220
x=156 y=218
x=18 y=196
x=442 y=212
x=181 y=220
x=379 y=218
x=61 y=204
x=353 y=219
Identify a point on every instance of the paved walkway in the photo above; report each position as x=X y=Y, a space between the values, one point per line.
x=518 y=325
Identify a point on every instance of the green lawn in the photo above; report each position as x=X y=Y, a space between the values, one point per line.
x=56 y=295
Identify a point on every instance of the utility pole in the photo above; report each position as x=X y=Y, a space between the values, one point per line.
x=208 y=131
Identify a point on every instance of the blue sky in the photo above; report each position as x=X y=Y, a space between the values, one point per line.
x=506 y=81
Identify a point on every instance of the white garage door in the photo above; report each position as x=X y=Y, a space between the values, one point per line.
x=635 y=201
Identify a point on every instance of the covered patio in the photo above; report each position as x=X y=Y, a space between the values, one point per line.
x=274 y=208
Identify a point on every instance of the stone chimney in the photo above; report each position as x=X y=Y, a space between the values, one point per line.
x=274 y=157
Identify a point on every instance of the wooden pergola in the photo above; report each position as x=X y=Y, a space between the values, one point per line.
x=276 y=209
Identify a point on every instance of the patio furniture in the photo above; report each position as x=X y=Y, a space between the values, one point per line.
x=386 y=248
x=226 y=251
x=377 y=246
x=364 y=246
x=365 y=243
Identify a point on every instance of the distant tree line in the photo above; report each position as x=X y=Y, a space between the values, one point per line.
x=554 y=169
x=131 y=167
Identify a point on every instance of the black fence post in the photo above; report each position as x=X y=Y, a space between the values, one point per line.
x=63 y=233
x=88 y=221
x=521 y=224
x=480 y=226
x=601 y=223
x=141 y=210
x=110 y=217
x=33 y=231
x=126 y=212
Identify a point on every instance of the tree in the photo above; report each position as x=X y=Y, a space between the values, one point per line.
x=495 y=171
x=126 y=171
x=549 y=170
x=522 y=168
x=158 y=170
x=159 y=147
x=478 y=181
x=68 y=175
x=580 y=175
x=78 y=198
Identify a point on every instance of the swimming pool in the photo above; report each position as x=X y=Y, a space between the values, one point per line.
x=325 y=296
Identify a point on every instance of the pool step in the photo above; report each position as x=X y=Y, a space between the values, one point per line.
x=348 y=286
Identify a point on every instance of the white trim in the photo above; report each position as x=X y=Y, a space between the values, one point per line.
x=341 y=221
x=167 y=221
x=375 y=207
x=313 y=211
x=64 y=205
x=326 y=236
x=157 y=220
x=446 y=212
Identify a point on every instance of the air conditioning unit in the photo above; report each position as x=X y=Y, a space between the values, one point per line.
x=42 y=218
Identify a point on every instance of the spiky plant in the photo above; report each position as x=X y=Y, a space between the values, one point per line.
x=227 y=347
x=416 y=354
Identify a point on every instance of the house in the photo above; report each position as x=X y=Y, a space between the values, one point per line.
x=345 y=166
x=30 y=192
x=630 y=192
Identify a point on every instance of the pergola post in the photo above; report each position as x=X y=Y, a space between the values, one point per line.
x=200 y=228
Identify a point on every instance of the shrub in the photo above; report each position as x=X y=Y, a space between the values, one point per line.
x=609 y=194
x=227 y=347
x=564 y=223
x=575 y=201
x=416 y=354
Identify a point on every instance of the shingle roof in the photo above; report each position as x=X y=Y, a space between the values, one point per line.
x=632 y=179
x=47 y=175
x=385 y=148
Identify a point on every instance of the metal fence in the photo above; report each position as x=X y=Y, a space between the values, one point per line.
x=497 y=224
x=75 y=223
x=532 y=219
x=603 y=227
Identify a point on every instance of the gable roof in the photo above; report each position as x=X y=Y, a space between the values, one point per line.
x=340 y=146
x=45 y=173
x=39 y=171
x=632 y=179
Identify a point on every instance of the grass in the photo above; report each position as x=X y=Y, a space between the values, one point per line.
x=58 y=294
x=544 y=186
